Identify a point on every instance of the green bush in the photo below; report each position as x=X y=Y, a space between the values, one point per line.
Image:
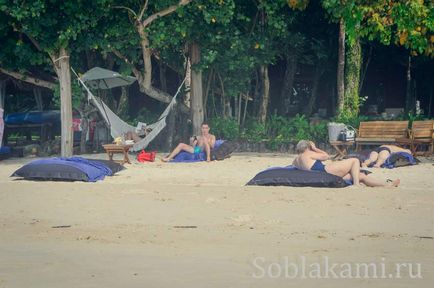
x=224 y=128
x=277 y=131
x=351 y=120
x=254 y=131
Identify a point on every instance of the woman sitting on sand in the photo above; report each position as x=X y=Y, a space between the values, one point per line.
x=380 y=155
x=310 y=158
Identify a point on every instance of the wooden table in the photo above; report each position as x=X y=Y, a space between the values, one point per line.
x=118 y=149
x=341 y=148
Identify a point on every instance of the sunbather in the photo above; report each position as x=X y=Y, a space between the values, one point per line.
x=137 y=135
x=198 y=144
x=310 y=158
x=380 y=155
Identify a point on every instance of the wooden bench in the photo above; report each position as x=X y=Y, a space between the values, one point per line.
x=112 y=149
x=381 y=132
x=421 y=133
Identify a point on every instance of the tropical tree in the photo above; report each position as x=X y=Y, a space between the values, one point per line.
x=54 y=28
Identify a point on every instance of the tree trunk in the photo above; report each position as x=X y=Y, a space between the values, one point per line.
x=430 y=101
x=171 y=121
x=341 y=67
x=207 y=89
x=365 y=69
x=196 y=91
x=265 y=93
x=38 y=98
x=408 y=96
x=64 y=74
x=187 y=97
x=162 y=70
x=123 y=104
x=84 y=129
x=316 y=80
x=353 y=64
x=2 y=93
x=288 y=82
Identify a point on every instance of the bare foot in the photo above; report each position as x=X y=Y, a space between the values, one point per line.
x=165 y=159
x=394 y=183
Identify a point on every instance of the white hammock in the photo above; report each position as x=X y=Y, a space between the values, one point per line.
x=118 y=127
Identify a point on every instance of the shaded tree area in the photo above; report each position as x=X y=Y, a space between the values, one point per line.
x=255 y=67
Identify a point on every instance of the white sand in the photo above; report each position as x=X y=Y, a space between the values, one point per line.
x=122 y=229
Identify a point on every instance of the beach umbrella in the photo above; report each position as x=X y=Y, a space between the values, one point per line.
x=100 y=78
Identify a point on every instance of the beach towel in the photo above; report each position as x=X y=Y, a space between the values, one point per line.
x=291 y=176
x=185 y=157
x=399 y=159
x=69 y=169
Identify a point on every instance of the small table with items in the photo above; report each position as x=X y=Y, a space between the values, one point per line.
x=341 y=148
x=118 y=149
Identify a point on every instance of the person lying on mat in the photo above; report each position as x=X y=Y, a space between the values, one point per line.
x=310 y=158
x=380 y=155
x=204 y=142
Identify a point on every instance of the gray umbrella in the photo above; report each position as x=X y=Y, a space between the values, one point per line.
x=99 y=78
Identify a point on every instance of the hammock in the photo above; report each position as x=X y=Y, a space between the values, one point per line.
x=118 y=127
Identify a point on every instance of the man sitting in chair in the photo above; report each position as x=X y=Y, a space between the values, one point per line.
x=204 y=142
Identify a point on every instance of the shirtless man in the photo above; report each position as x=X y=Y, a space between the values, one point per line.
x=380 y=155
x=310 y=158
x=205 y=142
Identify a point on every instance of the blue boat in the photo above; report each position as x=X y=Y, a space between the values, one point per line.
x=33 y=117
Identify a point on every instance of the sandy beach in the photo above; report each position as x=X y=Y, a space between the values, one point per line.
x=197 y=225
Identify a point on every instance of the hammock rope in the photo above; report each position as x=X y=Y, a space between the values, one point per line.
x=118 y=127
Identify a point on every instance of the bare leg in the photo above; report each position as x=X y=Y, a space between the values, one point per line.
x=342 y=168
x=208 y=152
x=130 y=135
x=382 y=156
x=372 y=159
x=179 y=148
x=371 y=182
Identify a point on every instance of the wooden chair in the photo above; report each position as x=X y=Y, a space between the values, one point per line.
x=380 y=132
x=421 y=133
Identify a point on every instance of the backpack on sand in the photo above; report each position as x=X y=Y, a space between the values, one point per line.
x=223 y=151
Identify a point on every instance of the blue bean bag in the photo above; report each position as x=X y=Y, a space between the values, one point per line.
x=68 y=169
x=185 y=157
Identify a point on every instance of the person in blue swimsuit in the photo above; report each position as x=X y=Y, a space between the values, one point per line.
x=310 y=158
x=205 y=142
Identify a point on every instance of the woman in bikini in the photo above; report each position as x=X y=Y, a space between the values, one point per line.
x=380 y=155
x=310 y=158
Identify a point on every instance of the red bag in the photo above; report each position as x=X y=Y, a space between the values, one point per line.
x=144 y=156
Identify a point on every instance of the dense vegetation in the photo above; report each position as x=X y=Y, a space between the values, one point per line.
x=259 y=69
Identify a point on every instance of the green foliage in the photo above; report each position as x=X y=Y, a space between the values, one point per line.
x=350 y=119
x=77 y=95
x=408 y=23
x=276 y=132
x=143 y=115
x=224 y=128
x=281 y=130
x=254 y=131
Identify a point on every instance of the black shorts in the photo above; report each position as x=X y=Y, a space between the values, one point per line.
x=379 y=149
